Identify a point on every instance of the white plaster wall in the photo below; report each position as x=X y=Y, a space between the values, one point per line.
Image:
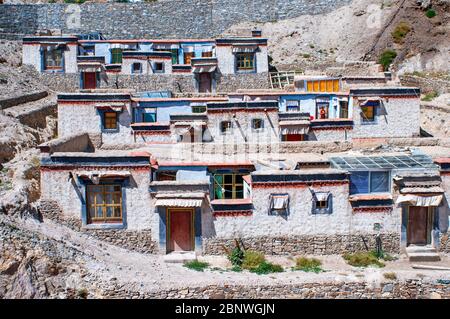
x=31 y=56
x=262 y=62
x=70 y=58
x=139 y=205
x=146 y=69
x=402 y=119
x=78 y=118
x=270 y=132
x=152 y=138
x=226 y=59
x=300 y=220
x=330 y=135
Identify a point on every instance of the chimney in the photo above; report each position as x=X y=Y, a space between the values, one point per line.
x=256 y=33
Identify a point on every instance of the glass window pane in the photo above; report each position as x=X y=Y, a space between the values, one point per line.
x=379 y=182
x=239 y=179
x=359 y=182
x=99 y=211
x=228 y=179
x=109 y=211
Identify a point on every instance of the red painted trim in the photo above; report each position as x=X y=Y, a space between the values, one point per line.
x=146 y=58
x=109 y=168
x=235 y=213
x=298 y=184
x=152 y=132
x=340 y=128
x=245 y=110
x=445 y=172
x=379 y=209
x=89 y=102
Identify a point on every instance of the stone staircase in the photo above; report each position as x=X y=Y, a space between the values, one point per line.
x=180 y=257
x=422 y=253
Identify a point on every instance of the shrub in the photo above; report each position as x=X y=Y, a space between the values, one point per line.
x=266 y=268
x=363 y=259
x=308 y=264
x=236 y=269
x=400 y=32
x=236 y=257
x=430 y=96
x=82 y=293
x=252 y=259
x=75 y=1
x=386 y=58
x=196 y=265
x=390 y=275
x=430 y=13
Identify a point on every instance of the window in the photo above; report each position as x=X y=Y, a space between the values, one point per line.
x=136 y=67
x=158 y=67
x=188 y=56
x=245 y=61
x=174 y=56
x=207 y=54
x=257 y=124
x=116 y=56
x=104 y=203
x=228 y=186
x=292 y=106
x=88 y=50
x=225 y=127
x=369 y=182
x=110 y=120
x=53 y=58
x=323 y=86
x=322 y=110
x=149 y=117
x=279 y=204
x=322 y=203
x=198 y=108
x=343 y=109
x=368 y=113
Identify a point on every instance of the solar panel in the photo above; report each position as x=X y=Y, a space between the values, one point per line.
x=383 y=162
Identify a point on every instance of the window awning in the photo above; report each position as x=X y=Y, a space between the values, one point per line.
x=114 y=107
x=244 y=48
x=294 y=127
x=204 y=68
x=370 y=101
x=90 y=66
x=165 y=46
x=95 y=176
x=190 y=124
x=279 y=201
x=417 y=200
x=322 y=196
x=132 y=46
x=180 y=200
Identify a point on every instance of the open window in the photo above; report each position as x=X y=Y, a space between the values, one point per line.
x=322 y=110
x=225 y=127
x=136 y=68
x=343 y=109
x=279 y=204
x=188 y=56
x=158 y=67
x=322 y=203
x=104 y=203
x=257 y=124
x=369 y=111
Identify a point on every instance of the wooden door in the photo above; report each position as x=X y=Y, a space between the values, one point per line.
x=204 y=83
x=180 y=232
x=418 y=225
x=293 y=137
x=89 y=80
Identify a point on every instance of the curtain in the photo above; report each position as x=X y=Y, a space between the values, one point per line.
x=359 y=182
x=379 y=182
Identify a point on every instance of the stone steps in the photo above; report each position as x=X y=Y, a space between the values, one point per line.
x=180 y=257
x=422 y=253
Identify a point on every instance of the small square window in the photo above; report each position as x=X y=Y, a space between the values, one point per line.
x=368 y=113
x=257 y=124
x=159 y=67
x=279 y=204
x=225 y=127
x=136 y=67
x=199 y=109
x=292 y=106
x=110 y=120
x=322 y=203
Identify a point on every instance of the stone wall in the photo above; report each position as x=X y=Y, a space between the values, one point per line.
x=169 y=19
x=408 y=289
x=426 y=85
x=314 y=244
x=253 y=81
x=135 y=240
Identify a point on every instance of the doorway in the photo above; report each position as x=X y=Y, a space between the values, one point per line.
x=89 y=80
x=204 y=83
x=420 y=220
x=180 y=229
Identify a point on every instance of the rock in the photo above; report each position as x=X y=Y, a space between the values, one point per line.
x=388 y=288
x=424 y=4
x=359 y=13
x=435 y=295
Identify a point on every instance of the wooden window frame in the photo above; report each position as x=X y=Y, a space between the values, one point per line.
x=107 y=120
x=261 y=121
x=104 y=205
x=245 y=61
x=198 y=109
x=116 y=56
x=364 y=117
x=341 y=102
x=52 y=54
x=188 y=56
x=233 y=184
x=207 y=54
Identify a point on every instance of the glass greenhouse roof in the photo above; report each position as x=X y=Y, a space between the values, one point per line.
x=383 y=162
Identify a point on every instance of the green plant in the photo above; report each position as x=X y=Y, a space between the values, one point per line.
x=430 y=96
x=306 y=55
x=266 y=268
x=400 y=32
x=311 y=46
x=252 y=259
x=363 y=259
x=236 y=269
x=390 y=275
x=236 y=257
x=430 y=13
x=75 y=1
x=308 y=264
x=386 y=58
x=82 y=293
x=196 y=265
